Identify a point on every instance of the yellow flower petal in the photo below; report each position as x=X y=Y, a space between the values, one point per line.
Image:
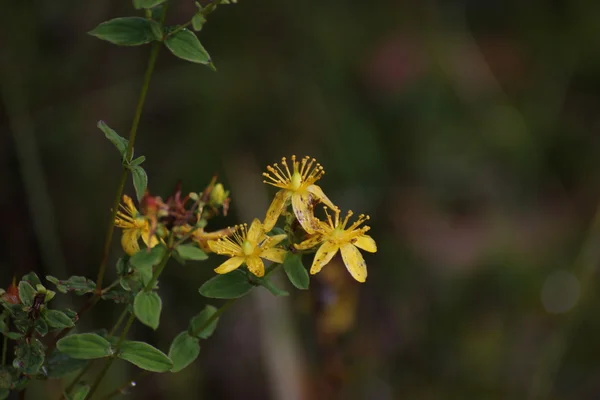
x=229 y=265
x=323 y=256
x=129 y=241
x=255 y=232
x=274 y=240
x=310 y=242
x=304 y=213
x=366 y=243
x=256 y=266
x=317 y=192
x=148 y=240
x=275 y=255
x=275 y=209
x=355 y=263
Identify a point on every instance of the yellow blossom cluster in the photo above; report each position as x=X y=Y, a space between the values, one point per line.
x=297 y=188
x=250 y=245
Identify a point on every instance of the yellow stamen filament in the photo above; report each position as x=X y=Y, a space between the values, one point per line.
x=302 y=174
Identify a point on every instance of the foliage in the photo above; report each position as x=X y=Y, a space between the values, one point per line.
x=44 y=346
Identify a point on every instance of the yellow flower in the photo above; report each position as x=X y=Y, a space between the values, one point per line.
x=248 y=246
x=201 y=237
x=297 y=185
x=134 y=225
x=334 y=236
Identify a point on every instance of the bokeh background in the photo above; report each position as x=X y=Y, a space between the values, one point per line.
x=468 y=130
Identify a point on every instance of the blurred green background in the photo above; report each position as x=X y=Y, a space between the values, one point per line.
x=468 y=130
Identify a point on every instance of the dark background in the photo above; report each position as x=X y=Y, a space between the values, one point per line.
x=467 y=130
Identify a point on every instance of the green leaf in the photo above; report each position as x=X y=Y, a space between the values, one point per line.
x=58 y=319
x=32 y=279
x=13 y=335
x=85 y=346
x=80 y=392
x=295 y=271
x=60 y=364
x=198 y=21
x=148 y=258
x=118 y=141
x=80 y=285
x=185 y=45
x=184 y=350
x=29 y=357
x=198 y=327
x=140 y=181
x=191 y=252
x=41 y=327
x=138 y=161
x=145 y=356
x=4 y=394
x=147 y=307
x=228 y=286
x=26 y=293
x=147 y=3
x=126 y=31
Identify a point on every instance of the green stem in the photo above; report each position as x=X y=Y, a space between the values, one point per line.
x=556 y=347
x=77 y=379
x=124 y=173
x=118 y=323
x=214 y=317
x=128 y=324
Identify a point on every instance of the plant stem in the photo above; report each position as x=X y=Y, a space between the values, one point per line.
x=128 y=324
x=214 y=317
x=586 y=262
x=77 y=379
x=118 y=323
x=132 y=135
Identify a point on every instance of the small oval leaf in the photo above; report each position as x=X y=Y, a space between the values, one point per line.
x=198 y=326
x=26 y=293
x=85 y=346
x=140 y=181
x=145 y=356
x=184 y=350
x=229 y=286
x=126 y=31
x=58 y=319
x=80 y=391
x=29 y=356
x=146 y=259
x=295 y=271
x=117 y=140
x=191 y=252
x=185 y=45
x=147 y=307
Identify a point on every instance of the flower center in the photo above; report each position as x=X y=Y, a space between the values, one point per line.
x=247 y=248
x=338 y=233
x=296 y=180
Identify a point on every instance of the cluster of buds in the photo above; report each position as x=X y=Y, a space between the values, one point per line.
x=178 y=214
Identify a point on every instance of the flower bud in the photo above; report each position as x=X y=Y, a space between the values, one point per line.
x=218 y=195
